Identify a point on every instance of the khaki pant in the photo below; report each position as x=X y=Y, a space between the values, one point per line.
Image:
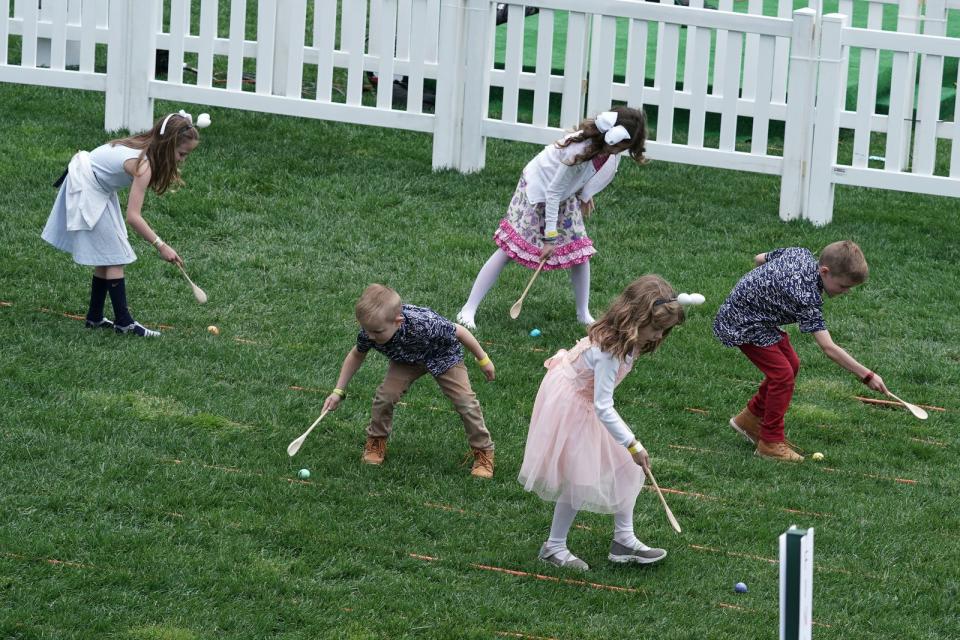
x=454 y=383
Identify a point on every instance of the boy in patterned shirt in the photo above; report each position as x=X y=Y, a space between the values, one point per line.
x=417 y=340
x=787 y=287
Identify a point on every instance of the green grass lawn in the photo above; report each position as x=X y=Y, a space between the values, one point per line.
x=146 y=494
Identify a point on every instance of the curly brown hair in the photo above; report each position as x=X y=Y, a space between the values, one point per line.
x=635 y=122
x=160 y=152
x=648 y=300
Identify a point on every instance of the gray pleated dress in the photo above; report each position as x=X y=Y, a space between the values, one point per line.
x=106 y=243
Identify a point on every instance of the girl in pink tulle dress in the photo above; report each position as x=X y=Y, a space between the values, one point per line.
x=544 y=221
x=580 y=453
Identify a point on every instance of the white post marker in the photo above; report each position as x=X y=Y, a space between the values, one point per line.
x=796 y=584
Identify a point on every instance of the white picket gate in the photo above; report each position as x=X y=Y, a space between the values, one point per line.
x=303 y=62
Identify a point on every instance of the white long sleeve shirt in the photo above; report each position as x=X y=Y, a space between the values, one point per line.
x=605 y=367
x=552 y=177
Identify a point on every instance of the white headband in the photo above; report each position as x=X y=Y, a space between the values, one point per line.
x=613 y=133
x=203 y=120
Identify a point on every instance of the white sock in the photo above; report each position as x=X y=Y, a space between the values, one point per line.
x=580 y=279
x=485 y=280
x=556 y=545
x=623 y=529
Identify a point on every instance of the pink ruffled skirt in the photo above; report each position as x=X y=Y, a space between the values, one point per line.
x=520 y=233
x=570 y=456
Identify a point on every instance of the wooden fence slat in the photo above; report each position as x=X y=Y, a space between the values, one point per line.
x=698 y=65
x=417 y=54
x=866 y=106
x=179 y=15
x=751 y=59
x=766 y=49
x=928 y=112
x=571 y=106
x=898 y=130
x=209 y=10
x=731 y=91
x=324 y=33
x=58 y=34
x=385 y=37
x=667 y=80
x=4 y=30
x=720 y=51
x=513 y=62
x=955 y=146
x=353 y=27
x=637 y=62
x=28 y=47
x=266 y=42
x=781 y=57
x=541 y=95
x=297 y=25
x=238 y=24
x=599 y=93
x=88 y=36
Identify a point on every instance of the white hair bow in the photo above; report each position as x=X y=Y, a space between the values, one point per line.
x=203 y=120
x=613 y=133
x=690 y=299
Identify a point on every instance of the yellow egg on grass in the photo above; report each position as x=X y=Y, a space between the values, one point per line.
x=817 y=456
x=213 y=329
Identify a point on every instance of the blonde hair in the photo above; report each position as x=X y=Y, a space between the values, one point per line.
x=160 y=151
x=378 y=302
x=845 y=260
x=635 y=122
x=648 y=300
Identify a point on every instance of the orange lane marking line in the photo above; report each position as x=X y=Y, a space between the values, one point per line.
x=936 y=443
x=686 y=493
x=583 y=526
x=874 y=476
x=53 y=561
x=891 y=403
x=296 y=388
x=702 y=412
x=734 y=554
x=808 y=513
x=445 y=507
x=174 y=514
x=538 y=576
x=697 y=449
x=514 y=634
x=5 y=304
x=724 y=605
x=422 y=557
x=245 y=341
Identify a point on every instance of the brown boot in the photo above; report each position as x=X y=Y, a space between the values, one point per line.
x=747 y=425
x=777 y=451
x=375 y=450
x=482 y=463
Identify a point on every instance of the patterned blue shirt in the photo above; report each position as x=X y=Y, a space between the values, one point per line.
x=425 y=337
x=783 y=290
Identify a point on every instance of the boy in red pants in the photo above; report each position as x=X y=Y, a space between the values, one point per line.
x=787 y=287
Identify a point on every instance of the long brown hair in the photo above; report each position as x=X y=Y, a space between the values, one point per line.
x=634 y=120
x=160 y=151
x=648 y=300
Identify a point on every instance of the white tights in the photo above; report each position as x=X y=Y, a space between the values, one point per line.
x=563 y=516
x=579 y=278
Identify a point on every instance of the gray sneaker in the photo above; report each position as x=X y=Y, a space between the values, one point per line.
x=573 y=562
x=623 y=554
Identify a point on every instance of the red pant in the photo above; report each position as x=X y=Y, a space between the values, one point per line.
x=780 y=364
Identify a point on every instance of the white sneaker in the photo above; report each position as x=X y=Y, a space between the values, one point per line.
x=641 y=554
x=137 y=329
x=466 y=320
x=570 y=561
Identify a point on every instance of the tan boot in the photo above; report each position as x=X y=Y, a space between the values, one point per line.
x=747 y=425
x=375 y=450
x=482 y=463
x=777 y=451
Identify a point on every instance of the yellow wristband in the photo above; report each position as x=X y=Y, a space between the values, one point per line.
x=340 y=392
x=484 y=361
x=550 y=235
x=157 y=242
x=635 y=448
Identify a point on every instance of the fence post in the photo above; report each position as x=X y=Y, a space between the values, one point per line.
x=798 y=128
x=130 y=64
x=826 y=132
x=448 y=111
x=478 y=42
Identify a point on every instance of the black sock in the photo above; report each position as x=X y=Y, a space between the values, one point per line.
x=98 y=295
x=118 y=297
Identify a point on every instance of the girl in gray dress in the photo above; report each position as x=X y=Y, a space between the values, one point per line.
x=86 y=220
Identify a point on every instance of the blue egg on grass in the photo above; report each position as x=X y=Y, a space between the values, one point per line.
x=303 y=474
x=740 y=587
x=534 y=333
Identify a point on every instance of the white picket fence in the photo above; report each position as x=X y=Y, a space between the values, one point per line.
x=302 y=62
